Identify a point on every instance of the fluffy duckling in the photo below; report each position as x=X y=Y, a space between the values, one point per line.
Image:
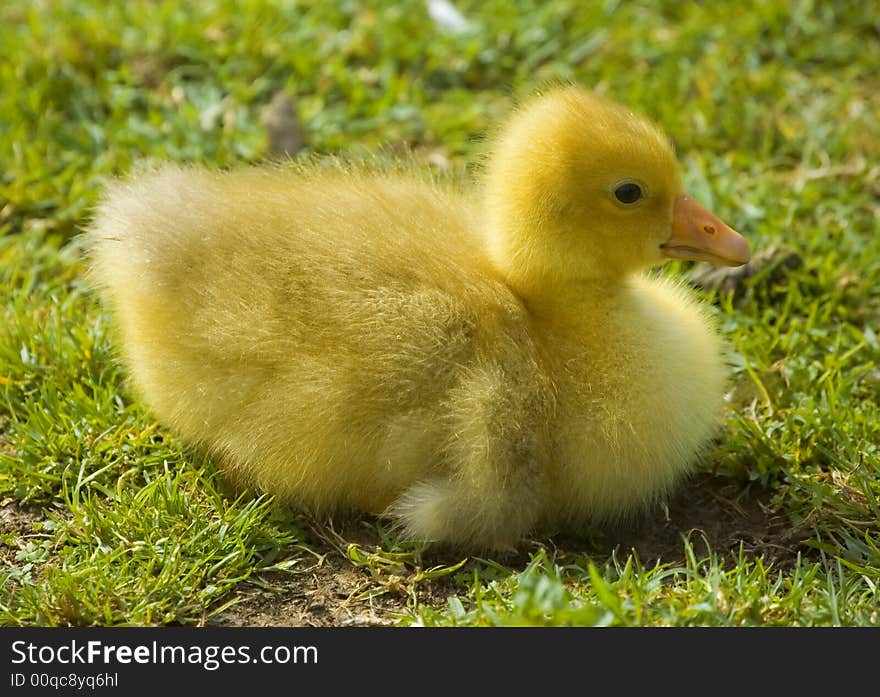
x=473 y=364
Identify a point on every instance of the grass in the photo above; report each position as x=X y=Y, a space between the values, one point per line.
x=105 y=518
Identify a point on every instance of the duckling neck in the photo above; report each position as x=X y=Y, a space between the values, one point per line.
x=554 y=287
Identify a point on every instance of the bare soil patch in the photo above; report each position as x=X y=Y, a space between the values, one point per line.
x=713 y=512
x=15 y=518
x=320 y=596
x=16 y=527
x=16 y=522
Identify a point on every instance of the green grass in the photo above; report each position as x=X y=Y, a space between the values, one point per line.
x=775 y=111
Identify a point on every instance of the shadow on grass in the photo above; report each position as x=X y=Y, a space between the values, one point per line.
x=714 y=512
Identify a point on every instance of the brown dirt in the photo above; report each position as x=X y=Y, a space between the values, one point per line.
x=18 y=519
x=329 y=589
x=320 y=596
x=711 y=510
x=16 y=524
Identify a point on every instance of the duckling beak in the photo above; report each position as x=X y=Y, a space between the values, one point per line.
x=699 y=235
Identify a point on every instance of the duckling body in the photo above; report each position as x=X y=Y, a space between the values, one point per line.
x=346 y=338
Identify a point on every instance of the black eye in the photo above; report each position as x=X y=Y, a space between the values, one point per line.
x=628 y=193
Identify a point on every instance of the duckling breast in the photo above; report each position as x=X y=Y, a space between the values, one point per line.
x=639 y=400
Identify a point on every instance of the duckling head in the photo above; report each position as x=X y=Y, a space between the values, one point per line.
x=580 y=189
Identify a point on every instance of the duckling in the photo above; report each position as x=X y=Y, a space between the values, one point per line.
x=474 y=362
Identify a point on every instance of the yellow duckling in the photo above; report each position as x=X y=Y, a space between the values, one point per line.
x=472 y=364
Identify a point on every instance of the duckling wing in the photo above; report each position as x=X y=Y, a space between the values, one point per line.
x=301 y=323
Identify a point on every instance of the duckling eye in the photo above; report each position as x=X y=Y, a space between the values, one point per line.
x=628 y=192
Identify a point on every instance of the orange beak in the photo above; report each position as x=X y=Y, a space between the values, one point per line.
x=700 y=236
